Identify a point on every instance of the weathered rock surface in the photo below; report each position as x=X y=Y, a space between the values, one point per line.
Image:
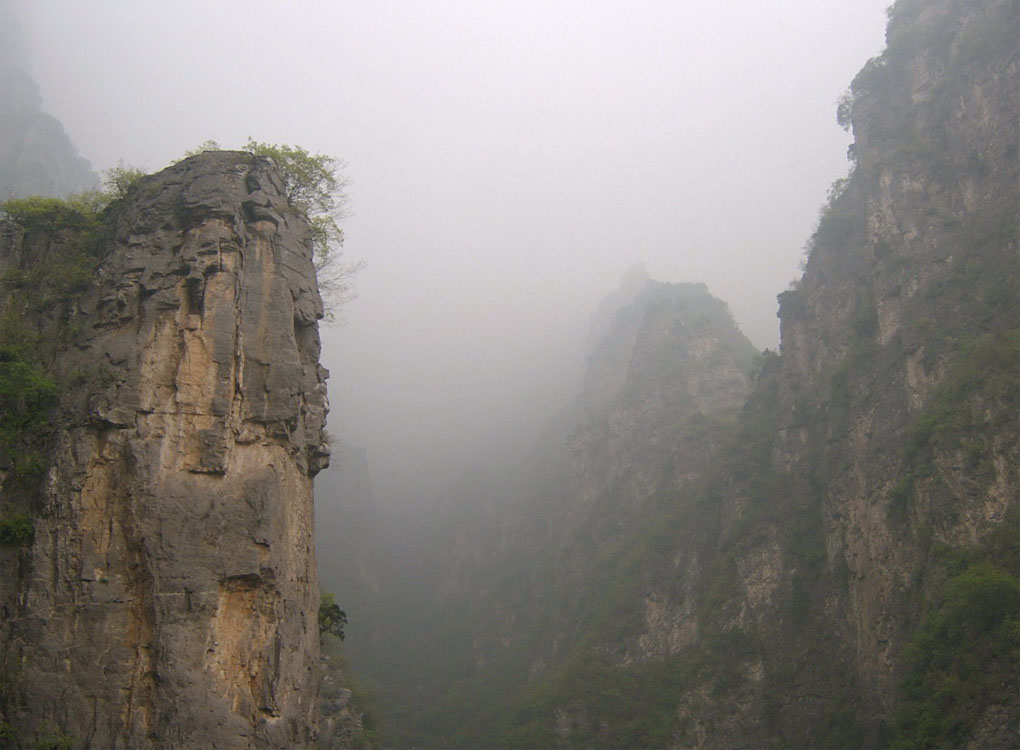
x=170 y=597
x=913 y=278
x=893 y=407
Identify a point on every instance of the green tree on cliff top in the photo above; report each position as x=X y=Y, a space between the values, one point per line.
x=317 y=185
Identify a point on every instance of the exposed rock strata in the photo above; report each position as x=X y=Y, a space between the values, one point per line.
x=170 y=597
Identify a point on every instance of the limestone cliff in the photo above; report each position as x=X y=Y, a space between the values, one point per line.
x=845 y=575
x=169 y=597
x=900 y=358
x=673 y=355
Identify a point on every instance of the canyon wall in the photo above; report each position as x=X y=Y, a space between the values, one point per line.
x=168 y=596
x=819 y=551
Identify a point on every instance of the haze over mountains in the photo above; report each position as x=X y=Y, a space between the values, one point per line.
x=36 y=155
x=815 y=548
x=558 y=515
x=508 y=164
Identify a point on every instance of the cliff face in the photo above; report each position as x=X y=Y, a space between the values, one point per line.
x=846 y=575
x=836 y=565
x=851 y=566
x=672 y=356
x=169 y=598
x=899 y=354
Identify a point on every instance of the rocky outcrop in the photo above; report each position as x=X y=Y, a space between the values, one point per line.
x=169 y=599
x=673 y=354
x=675 y=343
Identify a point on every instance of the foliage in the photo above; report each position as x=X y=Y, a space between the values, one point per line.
x=79 y=213
x=119 y=180
x=316 y=185
x=206 y=145
x=53 y=739
x=8 y=734
x=965 y=653
x=844 y=110
x=332 y=619
x=361 y=703
x=59 y=278
x=26 y=396
x=900 y=496
x=39 y=295
x=24 y=389
x=68 y=267
x=839 y=222
x=624 y=706
x=16 y=529
x=984 y=373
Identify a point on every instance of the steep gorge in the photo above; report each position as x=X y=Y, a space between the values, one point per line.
x=165 y=594
x=848 y=570
x=832 y=561
x=712 y=547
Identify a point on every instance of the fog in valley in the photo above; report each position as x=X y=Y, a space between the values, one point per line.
x=507 y=163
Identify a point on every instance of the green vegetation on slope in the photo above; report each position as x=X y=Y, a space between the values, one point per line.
x=346 y=707
x=37 y=295
x=26 y=396
x=37 y=291
x=966 y=653
x=316 y=185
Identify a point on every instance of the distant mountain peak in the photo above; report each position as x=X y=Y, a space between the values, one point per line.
x=36 y=155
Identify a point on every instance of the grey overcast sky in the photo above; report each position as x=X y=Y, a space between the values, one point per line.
x=508 y=162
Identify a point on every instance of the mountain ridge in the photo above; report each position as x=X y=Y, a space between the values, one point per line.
x=834 y=563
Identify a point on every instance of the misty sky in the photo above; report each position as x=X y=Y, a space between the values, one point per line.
x=508 y=162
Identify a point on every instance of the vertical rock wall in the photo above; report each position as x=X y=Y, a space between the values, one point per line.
x=837 y=568
x=170 y=597
x=913 y=276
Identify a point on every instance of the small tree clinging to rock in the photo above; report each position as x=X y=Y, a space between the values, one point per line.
x=332 y=619
x=316 y=185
